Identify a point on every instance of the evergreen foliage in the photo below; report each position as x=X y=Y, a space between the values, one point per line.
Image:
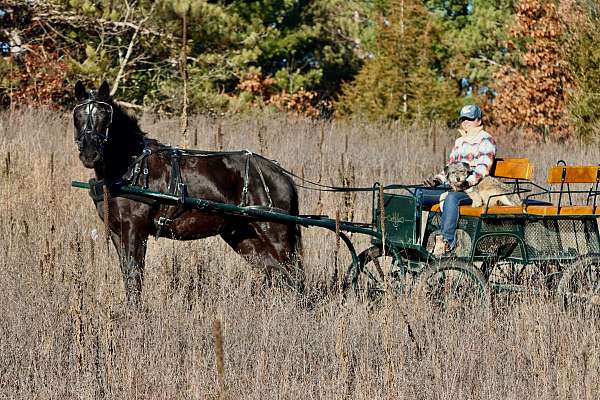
x=299 y=46
x=403 y=80
x=529 y=63
x=474 y=32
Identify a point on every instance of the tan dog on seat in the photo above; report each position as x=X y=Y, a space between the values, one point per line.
x=489 y=189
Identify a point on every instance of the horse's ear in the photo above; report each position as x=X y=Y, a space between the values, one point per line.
x=80 y=91
x=104 y=91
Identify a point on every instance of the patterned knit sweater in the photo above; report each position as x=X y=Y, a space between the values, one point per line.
x=478 y=149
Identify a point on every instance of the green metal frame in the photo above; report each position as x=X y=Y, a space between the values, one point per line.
x=402 y=213
x=518 y=232
x=402 y=225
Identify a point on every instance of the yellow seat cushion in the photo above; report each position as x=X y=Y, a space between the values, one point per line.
x=477 y=211
x=534 y=210
x=566 y=210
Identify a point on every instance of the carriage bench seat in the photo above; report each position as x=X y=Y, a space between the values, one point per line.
x=477 y=211
x=565 y=210
x=565 y=175
x=530 y=210
x=515 y=169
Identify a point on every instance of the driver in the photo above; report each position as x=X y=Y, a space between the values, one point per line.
x=477 y=148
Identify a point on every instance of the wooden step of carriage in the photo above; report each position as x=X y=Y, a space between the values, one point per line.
x=521 y=170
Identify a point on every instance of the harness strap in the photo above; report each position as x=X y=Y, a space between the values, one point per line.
x=146 y=172
x=251 y=161
x=96 y=192
x=139 y=166
x=262 y=179
x=176 y=187
x=244 y=199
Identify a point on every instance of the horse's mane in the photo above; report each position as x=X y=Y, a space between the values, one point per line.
x=123 y=121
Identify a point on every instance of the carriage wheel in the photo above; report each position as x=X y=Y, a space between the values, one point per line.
x=452 y=284
x=580 y=284
x=376 y=274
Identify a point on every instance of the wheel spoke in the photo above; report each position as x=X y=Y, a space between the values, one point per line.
x=457 y=285
x=580 y=284
x=378 y=268
x=453 y=283
x=504 y=273
x=518 y=277
x=377 y=273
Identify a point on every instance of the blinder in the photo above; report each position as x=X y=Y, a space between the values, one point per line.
x=89 y=127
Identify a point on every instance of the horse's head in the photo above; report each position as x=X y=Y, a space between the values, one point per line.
x=92 y=117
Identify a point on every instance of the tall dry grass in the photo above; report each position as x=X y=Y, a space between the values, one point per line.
x=66 y=333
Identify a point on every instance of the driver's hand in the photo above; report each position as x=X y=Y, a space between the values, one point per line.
x=432 y=181
x=464 y=185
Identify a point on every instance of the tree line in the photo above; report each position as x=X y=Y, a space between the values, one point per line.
x=532 y=64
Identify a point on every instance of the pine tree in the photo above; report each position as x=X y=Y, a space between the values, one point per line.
x=299 y=47
x=533 y=92
x=402 y=80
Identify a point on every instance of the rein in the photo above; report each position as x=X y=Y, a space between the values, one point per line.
x=341 y=189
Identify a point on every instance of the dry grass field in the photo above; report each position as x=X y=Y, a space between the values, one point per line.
x=65 y=331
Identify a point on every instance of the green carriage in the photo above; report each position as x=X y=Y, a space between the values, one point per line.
x=550 y=243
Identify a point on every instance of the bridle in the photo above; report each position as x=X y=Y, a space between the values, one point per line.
x=88 y=127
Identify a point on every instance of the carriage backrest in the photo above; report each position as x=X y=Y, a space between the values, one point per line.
x=565 y=175
x=574 y=174
x=512 y=168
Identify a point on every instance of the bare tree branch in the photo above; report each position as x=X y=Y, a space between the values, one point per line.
x=129 y=51
x=124 y=62
x=78 y=20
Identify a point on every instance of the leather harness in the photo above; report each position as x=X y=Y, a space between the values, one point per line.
x=138 y=174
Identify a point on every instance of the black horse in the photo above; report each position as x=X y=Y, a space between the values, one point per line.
x=112 y=143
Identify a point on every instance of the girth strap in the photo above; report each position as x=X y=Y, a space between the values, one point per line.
x=176 y=187
x=250 y=160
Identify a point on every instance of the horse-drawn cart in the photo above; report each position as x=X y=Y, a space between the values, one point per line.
x=541 y=245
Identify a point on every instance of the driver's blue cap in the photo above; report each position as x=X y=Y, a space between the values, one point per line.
x=471 y=112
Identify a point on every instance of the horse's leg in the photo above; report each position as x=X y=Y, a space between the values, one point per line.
x=283 y=247
x=131 y=247
x=275 y=246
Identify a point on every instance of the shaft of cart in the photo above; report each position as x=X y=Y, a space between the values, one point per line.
x=258 y=213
